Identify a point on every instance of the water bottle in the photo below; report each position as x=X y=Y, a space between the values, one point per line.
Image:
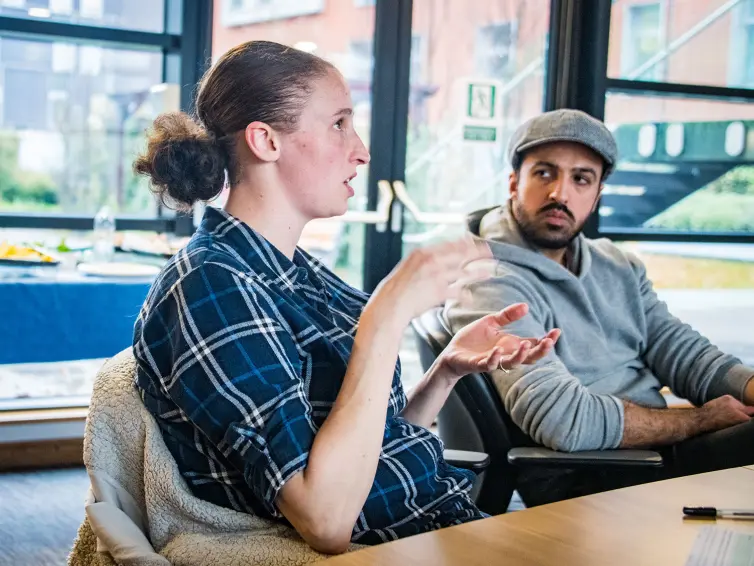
x=104 y=235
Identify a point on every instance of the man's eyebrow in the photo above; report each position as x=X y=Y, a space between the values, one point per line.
x=585 y=170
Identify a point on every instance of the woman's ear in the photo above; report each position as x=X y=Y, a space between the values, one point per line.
x=263 y=141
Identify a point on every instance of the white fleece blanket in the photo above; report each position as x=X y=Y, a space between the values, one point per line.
x=140 y=509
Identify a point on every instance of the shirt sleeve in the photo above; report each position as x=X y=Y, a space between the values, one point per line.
x=236 y=373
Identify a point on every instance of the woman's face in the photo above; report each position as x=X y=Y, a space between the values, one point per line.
x=319 y=159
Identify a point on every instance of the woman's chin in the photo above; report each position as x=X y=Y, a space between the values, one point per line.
x=340 y=210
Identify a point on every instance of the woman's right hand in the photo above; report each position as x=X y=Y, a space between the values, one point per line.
x=427 y=277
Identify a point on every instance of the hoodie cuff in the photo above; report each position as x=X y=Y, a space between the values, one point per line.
x=733 y=382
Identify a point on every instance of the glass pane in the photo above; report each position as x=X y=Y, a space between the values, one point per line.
x=477 y=72
x=708 y=286
x=71 y=121
x=685 y=165
x=141 y=15
x=340 y=32
x=683 y=41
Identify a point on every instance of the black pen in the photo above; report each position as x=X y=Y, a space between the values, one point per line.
x=743 y=514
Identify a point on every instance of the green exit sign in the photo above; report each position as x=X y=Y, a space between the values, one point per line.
x=480 y=133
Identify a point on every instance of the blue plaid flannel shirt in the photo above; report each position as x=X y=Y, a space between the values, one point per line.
x=241 y=354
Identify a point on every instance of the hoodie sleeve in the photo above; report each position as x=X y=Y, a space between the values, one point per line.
x=544 y=400
x=683 y=359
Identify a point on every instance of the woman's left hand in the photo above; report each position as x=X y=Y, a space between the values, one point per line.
x=484 y=346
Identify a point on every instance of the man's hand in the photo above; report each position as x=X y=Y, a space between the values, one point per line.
x=724 y=412
x=648 y=428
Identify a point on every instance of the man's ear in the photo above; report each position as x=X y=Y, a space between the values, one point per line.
x=597 y=200
x=513 y=184
x=263 y=141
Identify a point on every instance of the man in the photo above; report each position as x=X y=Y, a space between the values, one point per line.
x=599 y=389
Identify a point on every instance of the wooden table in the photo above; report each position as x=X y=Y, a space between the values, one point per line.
x=640 y=525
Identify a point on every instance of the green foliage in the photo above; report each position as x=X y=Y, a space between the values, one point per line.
x=725 y=205
x=19 y=187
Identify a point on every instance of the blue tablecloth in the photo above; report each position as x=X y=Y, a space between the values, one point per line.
x=61 y=318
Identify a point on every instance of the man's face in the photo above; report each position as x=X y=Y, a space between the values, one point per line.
x=555 y=191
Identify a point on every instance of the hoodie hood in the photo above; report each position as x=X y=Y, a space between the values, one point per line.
x=499 y=228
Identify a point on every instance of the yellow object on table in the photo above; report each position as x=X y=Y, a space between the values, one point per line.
x=23 y=253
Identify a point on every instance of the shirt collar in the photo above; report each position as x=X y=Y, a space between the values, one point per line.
x=263 y=258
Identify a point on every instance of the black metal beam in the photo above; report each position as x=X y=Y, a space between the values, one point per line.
x=390 y=93
x=75 y=32
x=556 y=45
x=650 y=88
x=196 y=52
x=650 y=235
x=196 y=57
x=577 y=55
x=84 y=223
x=577 y=68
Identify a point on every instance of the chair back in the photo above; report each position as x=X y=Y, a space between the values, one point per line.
x=473 y=417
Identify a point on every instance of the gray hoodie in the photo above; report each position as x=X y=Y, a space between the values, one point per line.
x=619 y=341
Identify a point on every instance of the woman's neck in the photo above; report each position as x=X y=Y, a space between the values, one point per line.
x=272 y=218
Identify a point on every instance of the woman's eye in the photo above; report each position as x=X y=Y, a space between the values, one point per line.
x=339 y=124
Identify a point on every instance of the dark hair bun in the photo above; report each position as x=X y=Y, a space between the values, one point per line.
x=184 y=162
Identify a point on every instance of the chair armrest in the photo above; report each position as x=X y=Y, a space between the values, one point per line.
x=544 y=457
x=475 y=461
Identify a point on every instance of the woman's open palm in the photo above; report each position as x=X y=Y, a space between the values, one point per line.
x=484 y=346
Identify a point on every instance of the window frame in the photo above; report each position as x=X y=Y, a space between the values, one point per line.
x=483 y=34
x=628 y=37
x=190 y=47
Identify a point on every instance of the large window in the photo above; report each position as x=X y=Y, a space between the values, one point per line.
x=686 y=136
x=686 y=165
x=73 y=117
x=80 y=82
x=680 y=101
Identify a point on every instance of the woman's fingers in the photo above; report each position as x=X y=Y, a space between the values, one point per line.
x=510 y=314
x=540 y=350
x=516 y=358
x=493 y=360
x=553 y=335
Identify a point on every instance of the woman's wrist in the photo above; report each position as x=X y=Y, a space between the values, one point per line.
x=441 y=371
x=387 y=310
x=382 y=321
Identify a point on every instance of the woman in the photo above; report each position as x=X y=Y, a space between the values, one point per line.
x=275 y=384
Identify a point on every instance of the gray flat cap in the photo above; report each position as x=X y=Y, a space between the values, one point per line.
x=564 y=125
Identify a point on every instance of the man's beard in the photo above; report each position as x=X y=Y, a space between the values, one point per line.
x=538 y=234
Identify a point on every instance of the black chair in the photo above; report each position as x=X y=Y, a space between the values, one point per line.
x=475 y=419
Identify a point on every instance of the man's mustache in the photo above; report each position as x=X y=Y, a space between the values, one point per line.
x=557 y=206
